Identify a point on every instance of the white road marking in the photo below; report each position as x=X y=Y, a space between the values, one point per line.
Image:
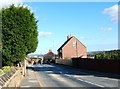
x=24 y=86
x=91 y=83
x=68 y=75
x=33 y=81
x=77 y=76
x=110 y=79
x=31 y=78
x=49 y=71
x=60 y=72
x=58 y=77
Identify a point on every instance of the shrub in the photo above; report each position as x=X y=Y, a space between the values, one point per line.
x=6 y=69
x=1 y=72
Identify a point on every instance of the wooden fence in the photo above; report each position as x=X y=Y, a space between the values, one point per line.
x=101 y=65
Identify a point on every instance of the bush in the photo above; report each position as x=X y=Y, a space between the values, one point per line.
x=1 y=72
x=6 y=69
x=113 y=54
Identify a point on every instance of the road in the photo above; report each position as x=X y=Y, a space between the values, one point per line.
x=61 y=76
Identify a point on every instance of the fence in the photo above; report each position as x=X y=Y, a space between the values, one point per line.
x=12 y=78
x=103 y=65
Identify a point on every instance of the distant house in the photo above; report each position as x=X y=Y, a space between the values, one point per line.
x=35 y=59
x=72 y=48
x=49 y=57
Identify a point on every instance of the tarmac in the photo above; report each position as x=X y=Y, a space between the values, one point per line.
x=33 y=80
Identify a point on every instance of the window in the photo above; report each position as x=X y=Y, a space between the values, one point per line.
x=74 y=43
x=60 y=51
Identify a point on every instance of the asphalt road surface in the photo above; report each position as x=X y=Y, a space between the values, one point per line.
x=61 y=76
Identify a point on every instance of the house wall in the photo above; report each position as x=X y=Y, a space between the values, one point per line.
x=82 y=51
x=71 y=50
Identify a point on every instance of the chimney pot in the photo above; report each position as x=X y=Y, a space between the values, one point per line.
x=69 y=36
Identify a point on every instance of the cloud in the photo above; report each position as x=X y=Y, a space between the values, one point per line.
x=112 y=12
x=109 y=29
x=6 y=3
x=44 y=34
x=82 y=37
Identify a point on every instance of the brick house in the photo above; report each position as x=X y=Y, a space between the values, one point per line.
x=49 y=57
x=72 y=48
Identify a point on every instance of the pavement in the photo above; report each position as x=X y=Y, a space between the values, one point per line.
x=61 y=76
x=30 y=80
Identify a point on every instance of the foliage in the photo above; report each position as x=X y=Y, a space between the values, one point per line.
x=114 y=54
x=19 y=34
x=6 y=69
x=1 y=72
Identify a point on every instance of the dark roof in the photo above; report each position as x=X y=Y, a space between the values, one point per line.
x=65 y=43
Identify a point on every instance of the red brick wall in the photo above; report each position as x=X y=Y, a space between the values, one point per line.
x=70 y=51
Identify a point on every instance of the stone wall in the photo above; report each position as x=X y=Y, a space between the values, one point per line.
x=12 y=78
x=64 y=61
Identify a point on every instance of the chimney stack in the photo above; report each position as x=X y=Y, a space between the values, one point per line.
x=50 y=50
x=69 y=36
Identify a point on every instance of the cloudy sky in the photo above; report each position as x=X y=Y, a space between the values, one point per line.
x=95 y=24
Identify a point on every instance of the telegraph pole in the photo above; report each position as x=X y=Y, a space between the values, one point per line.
x=53 y=49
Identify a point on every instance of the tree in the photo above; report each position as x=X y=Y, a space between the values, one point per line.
x=113 y=54
x=19 y=34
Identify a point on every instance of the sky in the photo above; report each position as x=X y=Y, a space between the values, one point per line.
x=95 y=24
